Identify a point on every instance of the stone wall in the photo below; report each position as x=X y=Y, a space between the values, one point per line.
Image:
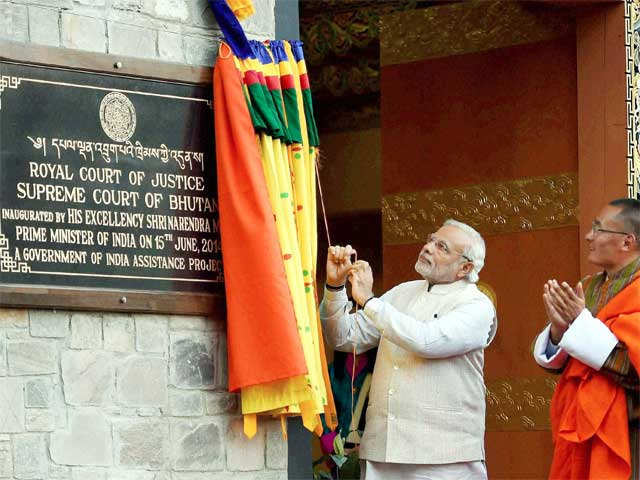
x=103 y=396
x=182 y=31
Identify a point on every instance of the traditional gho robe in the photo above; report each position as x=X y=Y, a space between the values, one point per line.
x=597 y=394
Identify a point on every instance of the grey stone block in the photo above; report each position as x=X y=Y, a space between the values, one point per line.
x=3 y=355
x=221 y=402
x=244 y=454
x=83 y=473
x=137 y=475
x=11 y=318
x=32 y=358
x=170 y=46
x=18 y=334
x=13 y=22
x=185 y=403
x=59 y=472
x=119 y=333
x=142 y=444
x=197 y=446
x=131 y=41
x=86 y=330
x=61 y=4
x=83 y=33
x=202 y=15
x=48 y=323
x=197 y=360
x=88 y=377
x=6 y=459
x=30 y=456
x=177 y=10
x=201 y=50
x=257 y=475
x=142 y=382
x=38 y=392
x=192 y=322
x=91 y=3
x=128 y=5
x=263 y=22
x=87 y=442
x=44 y=26
x=149 y=412
x=151 y=333
x=276 y=446
x=40 y=420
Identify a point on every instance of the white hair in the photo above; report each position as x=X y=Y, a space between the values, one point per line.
x=475 y=251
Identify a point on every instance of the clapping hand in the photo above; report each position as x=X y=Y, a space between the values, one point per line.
x=562 y=304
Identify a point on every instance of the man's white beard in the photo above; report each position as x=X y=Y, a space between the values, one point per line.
x=423 y=269
x=435 y=275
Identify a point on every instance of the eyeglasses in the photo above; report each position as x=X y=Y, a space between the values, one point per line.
x=443 y=248
x=596 y=228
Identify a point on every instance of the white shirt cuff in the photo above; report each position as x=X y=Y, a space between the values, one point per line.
x=333 y=295
x=543 y=346
x=588 y=340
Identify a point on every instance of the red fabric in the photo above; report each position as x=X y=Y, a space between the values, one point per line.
x=262 y=336
x=287 y=81
x=589 y=410
x=273 y=82
x=250 y=77
x=304 y=81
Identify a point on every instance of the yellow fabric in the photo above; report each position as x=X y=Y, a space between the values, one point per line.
x=250 y=425
x=304 y=159
x=283 y=426
x=241 y=8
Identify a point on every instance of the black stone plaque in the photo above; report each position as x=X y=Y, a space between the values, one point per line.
x=106 y=182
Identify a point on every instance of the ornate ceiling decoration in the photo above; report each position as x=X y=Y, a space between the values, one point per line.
x=331 y=28
x=468 y=27
x=342 y=51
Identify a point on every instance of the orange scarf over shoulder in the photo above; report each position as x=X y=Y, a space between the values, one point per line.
x=589 y=410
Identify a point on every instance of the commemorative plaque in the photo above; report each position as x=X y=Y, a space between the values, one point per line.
x=107 y=183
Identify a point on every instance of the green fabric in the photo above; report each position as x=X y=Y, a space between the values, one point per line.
x=258 y=124
x=312 y=129
x=264 y=108
x=276 y=97
x=293 y=118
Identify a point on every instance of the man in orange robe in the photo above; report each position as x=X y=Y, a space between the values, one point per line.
x=593 y=338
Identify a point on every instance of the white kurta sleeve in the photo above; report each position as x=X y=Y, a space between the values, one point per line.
x=462 y=330
x=546 y=354
x=343 y=330
x=589 y=340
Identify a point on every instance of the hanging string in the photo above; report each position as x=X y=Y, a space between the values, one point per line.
x=324 y=212
x=326 y=228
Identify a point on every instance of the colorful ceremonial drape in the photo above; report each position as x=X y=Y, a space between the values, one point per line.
x=265 y=131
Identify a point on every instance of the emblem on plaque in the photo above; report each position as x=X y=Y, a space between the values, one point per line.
x=117 y=116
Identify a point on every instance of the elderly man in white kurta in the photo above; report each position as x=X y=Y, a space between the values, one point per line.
x=426 y=413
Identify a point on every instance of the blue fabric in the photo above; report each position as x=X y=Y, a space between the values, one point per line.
x=279 y=53
x=296 y=47
x=231 y=29
x=260 y=52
